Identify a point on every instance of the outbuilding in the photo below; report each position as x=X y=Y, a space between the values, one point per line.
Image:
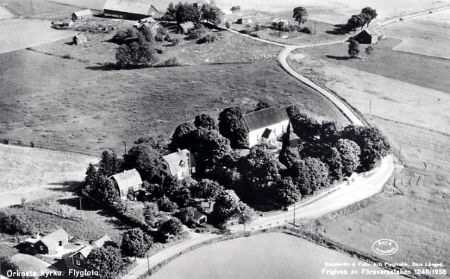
x=186 y=27
x=368 y=36
x=83 y=14
x=127 y=181
x=129 y=9
x=79 y=39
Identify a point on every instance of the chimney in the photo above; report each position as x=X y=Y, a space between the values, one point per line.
x=178 y=150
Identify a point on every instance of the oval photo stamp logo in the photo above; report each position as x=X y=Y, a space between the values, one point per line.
x=385 y=247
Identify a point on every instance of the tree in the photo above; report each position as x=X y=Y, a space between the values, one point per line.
x=369 y=13
x=286 y=191
x=8 y=266
x=326 y=153
x=244 y=214
x=171 y=12
x=146 y=161
x=303 y=126
x=207 y=189
x=186 y=214
x=135 y=243
x=209 y=148
x=231 y=126
x=187 y=12
x=172 y=226
x=224 y=208
x=181 y=195
x=109 y=164
x=262 y=105
x=136 y=54
x=151 y=214
x=91 y=175
x=355 y=21
x=288 y=156
x=330 y=132
x=372 y=143
x=12 y=224
x=353 y=48
x=104 y=189
x=165 y=204
x=182 y=136
x=107 y=261
x=205 y=121
x=310 y=175
x=350 y=153
x=300 y=15
x=211 y=14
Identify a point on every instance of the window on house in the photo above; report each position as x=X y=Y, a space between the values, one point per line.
x=41 y=247
x=60 y=243
x=77 y=262
x=182 y=163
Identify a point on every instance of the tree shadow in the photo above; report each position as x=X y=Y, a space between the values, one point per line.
x=338 y=57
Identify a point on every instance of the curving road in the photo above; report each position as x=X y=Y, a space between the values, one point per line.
x=360 y=187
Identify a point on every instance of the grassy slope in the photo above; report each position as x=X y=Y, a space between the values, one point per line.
x=416 y=121
x=69 y=104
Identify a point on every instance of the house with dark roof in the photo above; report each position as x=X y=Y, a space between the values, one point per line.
x=46 y=244
x=180 y=164
x=127 y=181
x=198 y=218
x=369 y=36
x=77 y=259
x=266 y=126
x=129 y=9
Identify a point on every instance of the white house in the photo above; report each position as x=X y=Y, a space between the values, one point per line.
x=266 y=126
x=180 y=164
x=129 y=180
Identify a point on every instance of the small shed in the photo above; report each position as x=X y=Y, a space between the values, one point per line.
x=198 y=218
x=79 y=39
x=186 y=27
x=127 y=181
x=368 y=36
x=235 y=9
x=83 y=14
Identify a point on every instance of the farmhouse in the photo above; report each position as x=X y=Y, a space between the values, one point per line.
x=129 y=9
x=180 y=164
x=127 y=181
x=83 y=14
x=45 y=244
x=76 y=260
x=368 y=36
x=266 y=126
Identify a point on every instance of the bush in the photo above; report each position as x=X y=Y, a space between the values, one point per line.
x=167 y=205
x=228 y=25
x=207 y=39
x=135 y=243
x=171 y=62
x=253 y=34
x=306 y=30
x=136 y=54
x=12 y=224
x=197 y=32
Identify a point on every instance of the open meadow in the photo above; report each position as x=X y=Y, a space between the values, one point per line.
x=69 y=104
x=406 y=95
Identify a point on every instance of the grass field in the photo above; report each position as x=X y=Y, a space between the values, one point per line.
x=34 y=173
x=270 y=255
x=37 y=8
x=421 y=70
x=408 y=99
x=70 y=104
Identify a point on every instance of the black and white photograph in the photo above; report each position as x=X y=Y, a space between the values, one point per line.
x=224 y=139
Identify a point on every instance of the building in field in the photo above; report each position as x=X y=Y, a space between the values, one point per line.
x=180 y=164
x=266 y=126
x=368 y=36
x=45 y=244
x=77 y=259
x=83 y=14
x=129 y=9
x=127 y=181
x=79 y=39
x=185 y=27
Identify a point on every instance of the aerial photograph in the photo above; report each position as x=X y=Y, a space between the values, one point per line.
x=224 y=139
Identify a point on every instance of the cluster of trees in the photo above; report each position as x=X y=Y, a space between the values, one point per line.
x=184 y=12
x=7 y=265
x=13 y=224
x=364 y=18
x=300 y=15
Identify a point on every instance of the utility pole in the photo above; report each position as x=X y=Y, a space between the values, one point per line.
x=294 y=214
x=125 y=147
x=148 y=264
x=81 y=209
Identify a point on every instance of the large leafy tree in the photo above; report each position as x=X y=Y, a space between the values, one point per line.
x=182 y=137
x=109 y=164
x=369 y=14
x=12 y=224
x=232 y=126
x=353 y=48
x=244 y=214
x=136 y=54
x=286 y=191
x=372 y=143
x=172 y=226
x=211 y=14
x=330 y=132
x=327 y=154
x=305 y=127
x=310 y=175
x=107 y=261
x=205 y=121
x=151 y=214
x=207 y=189
x=8 y=266
x=146 y=161
x=224 y=208
x=187 y=12
x=103 y=189
x=300 y=15
x=135 y=243
x=350 y=152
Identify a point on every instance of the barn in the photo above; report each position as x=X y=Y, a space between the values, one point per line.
x=83 y=14
x=129 y=9
x=266 y=126
x=127 y=181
